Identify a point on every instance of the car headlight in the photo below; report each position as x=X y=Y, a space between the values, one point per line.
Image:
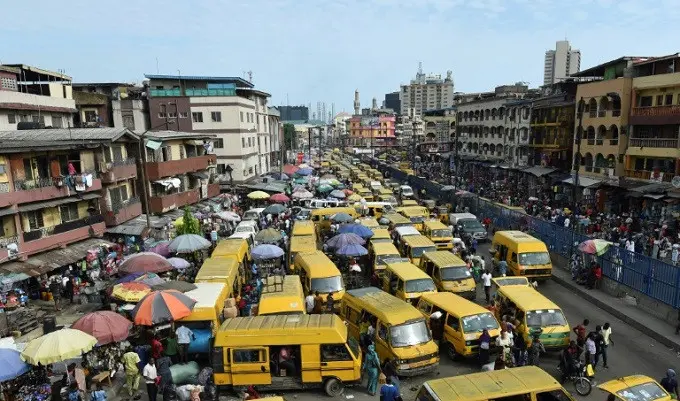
x=468 y=343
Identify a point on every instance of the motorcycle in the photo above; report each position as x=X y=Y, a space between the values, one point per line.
x=580 y=378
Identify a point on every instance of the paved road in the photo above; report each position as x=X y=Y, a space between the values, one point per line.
x=633 y=352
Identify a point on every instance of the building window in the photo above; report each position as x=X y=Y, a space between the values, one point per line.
x=161 y=115
x=172 y=114
x=11 y=118
x=216 y=116
x=35 y=220
x=197 y=117
x=129 y=122
x=669 y=99
x=250 y=170
x=183 y=114
x=243 y=142
x=219 y=143
x=69 y=212
x=241 y=116
x=8 y=83
x=56 y=122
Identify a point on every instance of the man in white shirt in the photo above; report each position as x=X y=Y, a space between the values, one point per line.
x=150 y=374
x=184 y=336
x=309 y=303
x=486 y=281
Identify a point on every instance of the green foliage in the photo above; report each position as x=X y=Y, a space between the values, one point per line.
x=190 y=225
x=289 y=136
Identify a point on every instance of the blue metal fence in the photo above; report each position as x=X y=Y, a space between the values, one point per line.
x=652 y=277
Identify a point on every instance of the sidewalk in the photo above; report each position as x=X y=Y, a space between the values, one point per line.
x=658 y=329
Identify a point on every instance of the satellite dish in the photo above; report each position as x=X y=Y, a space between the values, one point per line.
x=676 y=181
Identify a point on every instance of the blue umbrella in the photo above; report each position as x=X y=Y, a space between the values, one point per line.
x=342 y=218
x=130 y=277
x=352 y=250
x=342 y=240
x=11 y=364
x=337 y=194
x=266 y=251
x=304 y=171
x=358 y=229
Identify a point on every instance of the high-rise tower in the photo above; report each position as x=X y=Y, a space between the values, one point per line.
x=357 y=104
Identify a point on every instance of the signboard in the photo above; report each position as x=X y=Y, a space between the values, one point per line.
x=370 y=121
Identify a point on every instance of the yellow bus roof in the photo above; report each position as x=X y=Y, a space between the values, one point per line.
x=281 y=330
x=409 y=202
x=334 y=210
x=206 y=294
x=435 y=225
x=413 y=210
x=492 y=385
x=303 y=227
x=444 y=258
x=517 y=236
x=217 y=269
x=450 y=301
x=396 y=218
x=302 y=243
x=417 y=241
x=281 y=294
x=384 y=248
x=527 y=298
x=227 y=247
x=385 y=307
x=407 y=271
x=369 y=222
x=319 y=262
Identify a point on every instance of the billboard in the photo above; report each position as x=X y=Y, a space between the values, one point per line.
x=370 y=121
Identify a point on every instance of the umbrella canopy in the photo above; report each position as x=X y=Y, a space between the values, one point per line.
x=304 y=171
x=130 y=292
x=11 y=364
x=290 y=169
x=179 y=263
x=181 y=286
x=594 y=246
x=161 y=248
x=304 y=165
x=268 y=236
x=342 y=240
x=228 y=216
x=354 y=198
x=328 y=177
x=145 y=262
x=342 y=218
x=266 y=252
x=358 y=229
x=149 y=279
x=58 y=346
x=304 y=194
x=162 y=307
x=274 y=209
x=300 y=180
x=129 y=277
x=352 y=250
x=106 y=326
x=258 y=195
x=324 y=188
x=447 y=188
x=329 y=181
x=188 y=243
x=337 y=194
x=279 y=176
x=279 y=198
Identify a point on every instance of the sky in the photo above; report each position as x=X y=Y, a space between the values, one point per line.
x=304 y=51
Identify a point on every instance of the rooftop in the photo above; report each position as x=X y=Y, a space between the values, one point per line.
x=599 y=70
x=177 y=135
x=105 y=84
x=35 y=74
x=41 y=139
x=240 y=82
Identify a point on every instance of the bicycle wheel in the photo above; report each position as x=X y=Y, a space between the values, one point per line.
x=583 y=386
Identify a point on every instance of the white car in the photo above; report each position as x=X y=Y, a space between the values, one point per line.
x=253 y=214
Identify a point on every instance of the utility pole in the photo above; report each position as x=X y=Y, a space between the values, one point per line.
x=309 y=142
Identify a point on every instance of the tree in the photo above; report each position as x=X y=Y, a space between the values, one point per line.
x=289 y=136
x=190 y=224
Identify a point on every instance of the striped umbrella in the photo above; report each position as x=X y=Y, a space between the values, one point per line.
x=162 y=307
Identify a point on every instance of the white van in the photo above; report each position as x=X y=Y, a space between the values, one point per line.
x=253 y=214
x=247 y=226
x=324 y=203
x=405 y=192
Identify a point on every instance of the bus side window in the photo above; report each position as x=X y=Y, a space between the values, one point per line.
x=514 y=257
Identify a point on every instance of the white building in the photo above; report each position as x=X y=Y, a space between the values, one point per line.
x=561 y=63
x=32 y=95
x=427 y=92
x=275 y=130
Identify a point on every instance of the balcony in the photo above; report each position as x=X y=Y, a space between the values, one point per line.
x=158 y=170
x=164 y=203
x=118 y=170
x=121 y=212
x=654 y=147
x=213 y=190
x=657 y=115
x=647 y=175
x=42 y=189
x=62 y=234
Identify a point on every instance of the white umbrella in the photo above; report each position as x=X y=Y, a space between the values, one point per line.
x=228 y=216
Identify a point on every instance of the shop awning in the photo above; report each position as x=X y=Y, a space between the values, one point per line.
x=200 y=174
x=153 y=145
x=57 y=202
x=539 y=171
x=655 y=187
x=584 y=182
x=47 y=261
x=6 y=211
x=196 y=142
x=654 y=196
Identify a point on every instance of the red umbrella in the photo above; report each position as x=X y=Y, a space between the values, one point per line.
x=106 y=326
x=347 y=192
x=289 y=169
x=145 y=262
x=162 y=307
x=279 y=198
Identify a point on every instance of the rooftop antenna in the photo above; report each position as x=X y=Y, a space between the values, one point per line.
x=249 y=75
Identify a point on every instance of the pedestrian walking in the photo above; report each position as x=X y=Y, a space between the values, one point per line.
x=535 y=351
x=486 y=281
x=150 y=378
x=318 y=302
x=607 y=340
x=309 y=303
x=388 y=391
x=184 y=337
x=670 y=383
x=484 y=347
x=130 y=361
x=372 y=369
x=591 y=349
x=580 y=332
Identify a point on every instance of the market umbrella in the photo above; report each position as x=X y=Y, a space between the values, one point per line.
x=342 y=218
x=227 y=216
x=290 y=169
x=342 y=240
x=304 y=165
x=11 y=364
x=128 y=278
x=279 y=198
x=358 y=229
x=594 y=246
x=274 y=209
x=161 y=248
x=179 y=263
x=162 y=307
x=337 y=194
x=106 y=326
x=354 y=198
x=145 y=262
x=304 y=171
x=300 y=180
x=130 y=292
x=258 y=195
x=181 y=286
x=58 y=346
x=324 y=188
x=304 y=194
x=352 y=250
x=188 y=243
x=266 y=252
x=269 y=236
x=340 y=186
x=348 y=192
x=328 y=177
x=279 y=176
x=150 y=279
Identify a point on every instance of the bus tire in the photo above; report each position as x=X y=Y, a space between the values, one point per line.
x=451 y=351
x=333 y=387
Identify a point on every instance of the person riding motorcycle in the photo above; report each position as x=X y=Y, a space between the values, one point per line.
x=569 y=361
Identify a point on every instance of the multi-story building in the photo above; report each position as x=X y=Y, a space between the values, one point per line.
x=61 y=186
x=440 y=129
x=552 y=125
x=179 y=169
x=228 y=107
x=517 y=132
x=393 y=101
x=293 y=113
x=373 y=131
x=31 y=97
x=409 y=129
x=111 y=105
x=275 y=131
x=426 y=92
x=560 y=63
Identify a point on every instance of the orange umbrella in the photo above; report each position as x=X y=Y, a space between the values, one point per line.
x=162 y=307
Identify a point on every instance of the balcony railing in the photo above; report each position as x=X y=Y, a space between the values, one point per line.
x=121 y=162
x=4 y=241
x=669 y=143
x=4 y=187
x=656 y=111
x=647 y=175
x=27 y=185
x=62 y=228
x=117 y=206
